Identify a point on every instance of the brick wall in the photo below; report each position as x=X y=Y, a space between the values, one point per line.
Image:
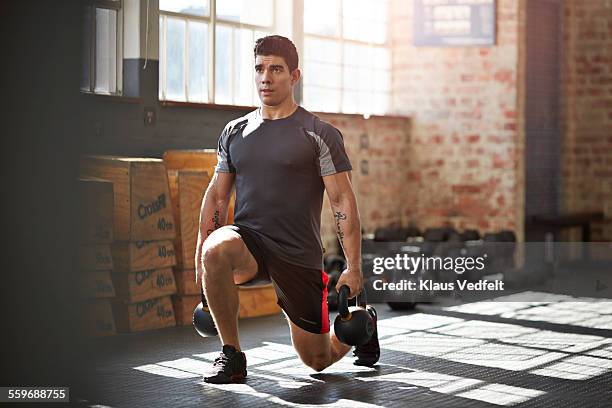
x=587 y=110
x=465 y=157
x=379 y=149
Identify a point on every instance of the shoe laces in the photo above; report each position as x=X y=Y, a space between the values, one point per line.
x=221 y=361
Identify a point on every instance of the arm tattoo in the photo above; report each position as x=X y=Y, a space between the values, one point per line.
x=216 y=223
x=339 y=216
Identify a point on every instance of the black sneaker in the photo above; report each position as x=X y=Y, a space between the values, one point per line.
x=369 y=353
x=229 y=367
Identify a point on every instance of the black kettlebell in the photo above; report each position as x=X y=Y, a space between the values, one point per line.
x=353 y=326
x=203 y=320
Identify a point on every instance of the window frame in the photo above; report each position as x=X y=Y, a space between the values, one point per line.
x=341 y=40
x=212 y=21
x=116 y=5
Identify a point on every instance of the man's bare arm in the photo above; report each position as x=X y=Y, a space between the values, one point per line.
x=213 y=212
x=348 y=227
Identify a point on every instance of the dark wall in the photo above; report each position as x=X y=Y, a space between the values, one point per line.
x=47 y=124
x=117 y=125
x=40 y=128
x=542 y=108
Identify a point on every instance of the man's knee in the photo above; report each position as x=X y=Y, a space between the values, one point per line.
x=318 y=362
x=218 y=250
x=212 y=258
x=314 y=349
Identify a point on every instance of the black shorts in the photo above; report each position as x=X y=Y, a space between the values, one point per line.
x=301 y=292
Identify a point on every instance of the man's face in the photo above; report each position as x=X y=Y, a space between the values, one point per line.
x=273 y=80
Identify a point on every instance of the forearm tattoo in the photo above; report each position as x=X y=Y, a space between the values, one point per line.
x=216 y=223
x=340 y=216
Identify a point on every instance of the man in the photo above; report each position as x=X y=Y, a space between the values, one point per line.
x=281 y=158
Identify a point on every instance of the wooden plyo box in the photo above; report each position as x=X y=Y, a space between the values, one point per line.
x=99 y=319
x=146 y=315
x=97 y=284
x=185 y=282
x=194 y=159
x=197 y=160
x=143 y=255
x=142 y=285
x=259 y=300
x=601 y=251
x=95 y=211
x=187 y=189
x=142 y=208
x=95 y=257
x=184 y=307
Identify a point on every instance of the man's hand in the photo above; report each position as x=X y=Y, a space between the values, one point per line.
x=353 y=279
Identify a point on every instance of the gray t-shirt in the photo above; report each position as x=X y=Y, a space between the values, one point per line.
x=279 y=166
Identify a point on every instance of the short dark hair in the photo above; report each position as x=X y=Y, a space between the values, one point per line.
x=278 y=45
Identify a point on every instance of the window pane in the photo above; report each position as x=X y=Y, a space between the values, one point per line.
x=380 y=12
x=322 y=50
x=175 y=59
x=357 y=55
x=365 y=79
x=358 y=8
x=193 y=7
x=365 y=101
x=364 y=29
x=372 y=10
x=321 y=17
x=382 y=80
x=258 y=12
x=358 y=78
x=326 y=75
x=106 y=50
x=361 y=69
x=86 y=49
x=321 y=99
x=351 y=78
x=198 y=62
x=243 y=67
x=162 y=59
x=380 y=103
x=381 y=58
x=223 y=64
x=365 y=20
x=258 y=35
x=350 y=101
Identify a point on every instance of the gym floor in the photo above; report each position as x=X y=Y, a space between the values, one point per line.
x=554 y=351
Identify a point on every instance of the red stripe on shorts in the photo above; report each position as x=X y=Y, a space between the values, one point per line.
x=324 y=311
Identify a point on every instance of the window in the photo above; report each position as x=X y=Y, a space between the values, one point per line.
x=101 y=70
x=192 y=67
x=347 y=65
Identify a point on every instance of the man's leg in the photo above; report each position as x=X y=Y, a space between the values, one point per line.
x=317 y=351
x=227 y=262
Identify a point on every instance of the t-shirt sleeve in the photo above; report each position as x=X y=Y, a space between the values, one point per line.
x=224 y=161
x=332 y=154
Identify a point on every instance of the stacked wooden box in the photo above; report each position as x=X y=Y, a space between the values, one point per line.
x=95 y=259
x=189 y=173
x=143 y=252
x=186 y=189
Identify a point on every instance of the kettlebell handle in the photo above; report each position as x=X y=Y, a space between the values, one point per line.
x=343 y=309
x=343 y=297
